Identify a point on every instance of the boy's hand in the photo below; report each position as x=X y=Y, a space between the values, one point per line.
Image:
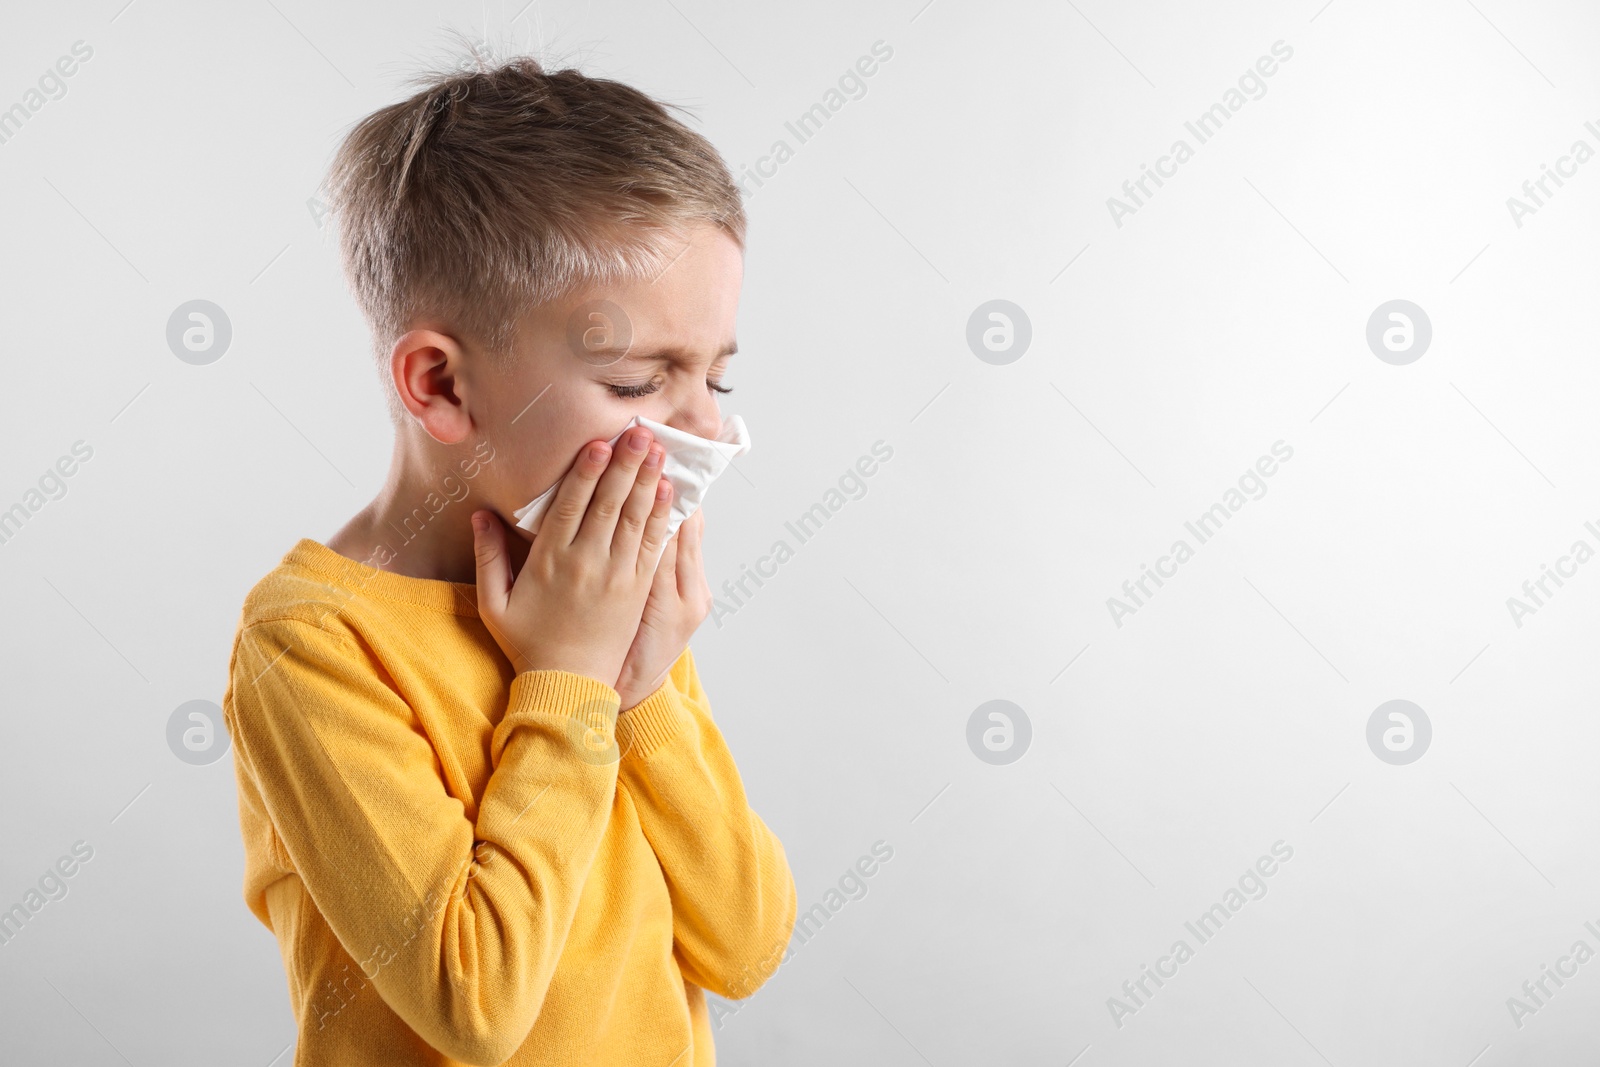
x=577 y=601
x=679 y=602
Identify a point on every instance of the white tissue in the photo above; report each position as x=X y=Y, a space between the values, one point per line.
x=691 y=464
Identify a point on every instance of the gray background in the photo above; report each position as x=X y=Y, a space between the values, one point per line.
x=1167 y=355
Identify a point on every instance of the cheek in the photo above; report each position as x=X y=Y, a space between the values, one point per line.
x=546 y=444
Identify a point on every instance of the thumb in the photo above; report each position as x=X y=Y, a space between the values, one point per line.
x=489 y=549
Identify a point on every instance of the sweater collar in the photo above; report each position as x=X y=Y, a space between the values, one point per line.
x=458 y=598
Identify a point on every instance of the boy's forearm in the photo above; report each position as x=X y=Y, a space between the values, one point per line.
x=341 y=766
x=733 y=894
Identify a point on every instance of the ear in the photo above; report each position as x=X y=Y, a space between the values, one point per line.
x=432 y=377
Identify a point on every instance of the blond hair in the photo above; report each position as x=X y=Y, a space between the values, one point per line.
x=500 y=186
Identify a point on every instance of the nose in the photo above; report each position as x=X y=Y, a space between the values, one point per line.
x=699 y=416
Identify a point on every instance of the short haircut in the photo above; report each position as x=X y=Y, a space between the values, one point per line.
x=500 y=186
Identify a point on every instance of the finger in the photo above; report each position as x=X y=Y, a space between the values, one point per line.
x=693 y=531
x=639 y=505
x=691 y=565
x=494 y=577
x=669 y=554
x=654 y=541
x=665 y=582
x=655 y=536
x=599 y=525
x=564 y=517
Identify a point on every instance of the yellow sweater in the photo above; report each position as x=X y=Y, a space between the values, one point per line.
x=466 y=865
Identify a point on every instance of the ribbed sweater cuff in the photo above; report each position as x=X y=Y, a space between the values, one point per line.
x=589 y=704
x=562 y=693
x=652 y=722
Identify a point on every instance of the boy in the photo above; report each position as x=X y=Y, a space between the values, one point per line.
x=489 y=818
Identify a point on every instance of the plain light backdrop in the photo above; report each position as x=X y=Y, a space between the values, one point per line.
x=1169 y=348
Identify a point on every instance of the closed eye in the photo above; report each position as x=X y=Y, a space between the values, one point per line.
x=627 y=392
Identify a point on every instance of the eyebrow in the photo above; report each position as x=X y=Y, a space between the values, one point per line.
x=666 y=354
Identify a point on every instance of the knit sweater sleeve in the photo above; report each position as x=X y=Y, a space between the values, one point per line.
x=458 y=924
x=733 y=895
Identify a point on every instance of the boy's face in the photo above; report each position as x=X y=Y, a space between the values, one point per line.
x=581 y=360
